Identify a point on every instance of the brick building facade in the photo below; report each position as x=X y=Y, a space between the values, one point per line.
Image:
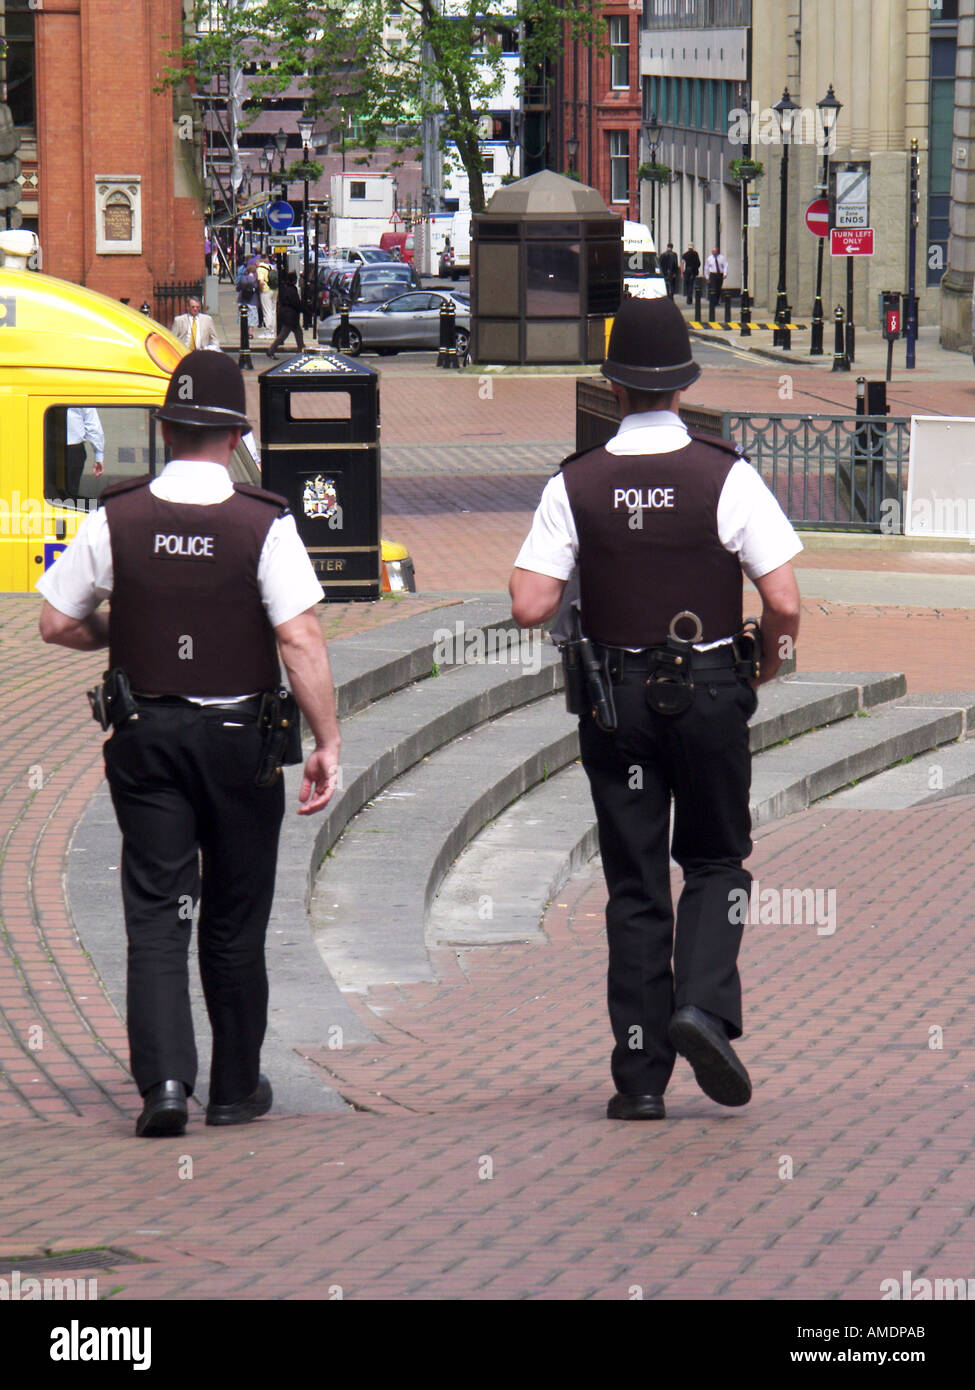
x=600 y=107
x=119 y=206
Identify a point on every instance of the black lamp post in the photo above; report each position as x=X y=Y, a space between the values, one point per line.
x=651 y=128
x=281 y=144
x=305 y=128
x=829 y=109
x=785 y=108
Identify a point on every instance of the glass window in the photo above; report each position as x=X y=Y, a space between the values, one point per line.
x=357 y=188
x=619 y=166
x=552 y=280
x=619 y=50
x=605 y=277
x=88 y=447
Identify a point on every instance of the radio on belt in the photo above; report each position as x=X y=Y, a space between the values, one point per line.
x=320 y=450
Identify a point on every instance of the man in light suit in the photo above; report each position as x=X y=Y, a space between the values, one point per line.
x=195 y=329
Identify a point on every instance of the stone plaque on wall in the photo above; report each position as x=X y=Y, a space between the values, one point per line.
x=118 y=215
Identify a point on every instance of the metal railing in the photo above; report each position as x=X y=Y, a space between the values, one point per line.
x=828 y=472
x=170 y=300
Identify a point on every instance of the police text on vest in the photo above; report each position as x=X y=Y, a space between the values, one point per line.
x=648 y=498
x=189 y=547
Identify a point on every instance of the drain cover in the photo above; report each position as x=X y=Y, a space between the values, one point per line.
x=105 y=1258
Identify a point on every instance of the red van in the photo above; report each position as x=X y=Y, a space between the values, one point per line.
x=402 y=240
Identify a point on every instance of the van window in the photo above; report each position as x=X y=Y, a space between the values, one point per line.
x=125 y=439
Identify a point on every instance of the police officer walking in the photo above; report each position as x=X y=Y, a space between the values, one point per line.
x=208 y=579
x=662 y=523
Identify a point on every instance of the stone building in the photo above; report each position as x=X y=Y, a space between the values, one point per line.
x=712 y=71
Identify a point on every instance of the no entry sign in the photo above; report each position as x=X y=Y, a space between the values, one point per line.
x=851 y=241
x=817 y=216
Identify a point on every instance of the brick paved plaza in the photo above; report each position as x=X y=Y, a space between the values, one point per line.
x=472 y=1160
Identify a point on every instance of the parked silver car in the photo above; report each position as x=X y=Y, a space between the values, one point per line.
x=407 y=321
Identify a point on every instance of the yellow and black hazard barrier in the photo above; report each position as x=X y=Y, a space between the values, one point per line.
x=733 y=327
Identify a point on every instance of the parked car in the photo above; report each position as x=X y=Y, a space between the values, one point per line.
x=373 y=284
x=409 y=320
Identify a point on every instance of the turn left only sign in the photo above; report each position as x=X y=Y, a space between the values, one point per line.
x=851 y=241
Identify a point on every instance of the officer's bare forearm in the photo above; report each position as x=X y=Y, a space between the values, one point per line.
x=305 y=658
x=780 y=618
x=80 y=634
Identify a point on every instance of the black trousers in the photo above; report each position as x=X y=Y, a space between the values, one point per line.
x=74 y=466
x=194 y=827
x=700 y=758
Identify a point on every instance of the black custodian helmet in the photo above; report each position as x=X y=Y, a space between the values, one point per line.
x=650 y=347
x=206 y=389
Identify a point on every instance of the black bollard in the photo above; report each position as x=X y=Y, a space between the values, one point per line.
x=698 y=293
x=343 y=328
x=841 y=363
x=447 y=355
x=244 y=360
x=746 y=315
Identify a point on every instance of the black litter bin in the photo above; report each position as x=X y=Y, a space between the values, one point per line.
x=320 y=450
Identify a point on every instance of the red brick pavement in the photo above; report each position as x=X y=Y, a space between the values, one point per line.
x=479 y=1164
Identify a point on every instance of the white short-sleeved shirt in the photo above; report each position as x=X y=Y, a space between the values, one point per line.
x=750 y=522
x=82 y=577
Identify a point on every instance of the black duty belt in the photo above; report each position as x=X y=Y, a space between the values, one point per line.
x=250 y=708
x=619 y=660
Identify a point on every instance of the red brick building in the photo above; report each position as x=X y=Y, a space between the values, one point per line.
x=118 y=203
x=599 y=101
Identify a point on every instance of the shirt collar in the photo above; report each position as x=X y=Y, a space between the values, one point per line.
x=651 y=419
x=201 y=479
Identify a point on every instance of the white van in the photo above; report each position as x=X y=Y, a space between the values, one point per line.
x=641 y=277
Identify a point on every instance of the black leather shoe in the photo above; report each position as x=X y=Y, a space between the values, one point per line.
x=635 y=1108
x=259 y=1103
x=164 y=1111
x=718 y=1071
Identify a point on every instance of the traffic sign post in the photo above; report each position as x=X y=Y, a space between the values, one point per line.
x=850 y=242
x=817 y=220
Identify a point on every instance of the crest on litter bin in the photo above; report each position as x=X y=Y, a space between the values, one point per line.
x=320 y=498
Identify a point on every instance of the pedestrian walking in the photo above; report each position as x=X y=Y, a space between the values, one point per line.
x=247 y=290
x=662 y=524
x=690 y=264
x=668 y=268
x=267 y=283
x=208 y=581
x=289 y=314
x=715 y=270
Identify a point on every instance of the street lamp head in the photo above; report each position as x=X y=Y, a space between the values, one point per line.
x=785 y=108
x=652 y=128
x=305 y=128
x=572 y=148
x=829 y=109
x=267 y=157
x=281 y=141
x=511 y=146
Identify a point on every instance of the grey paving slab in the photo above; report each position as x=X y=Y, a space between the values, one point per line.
x=886 y=588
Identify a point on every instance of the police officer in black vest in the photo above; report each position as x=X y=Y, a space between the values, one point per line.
x=662 y=523
x=208 y=580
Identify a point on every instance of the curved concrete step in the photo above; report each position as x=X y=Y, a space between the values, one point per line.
x=788 y=778
x=948 y=771
x=370 y=903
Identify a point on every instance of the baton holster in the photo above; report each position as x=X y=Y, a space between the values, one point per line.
x=112 y=703
x=747 y=647
x=279 y=721
x=670 y=684
x=588 y=689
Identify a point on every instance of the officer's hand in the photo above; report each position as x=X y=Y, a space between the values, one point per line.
x=98 y=469
x=320 y=780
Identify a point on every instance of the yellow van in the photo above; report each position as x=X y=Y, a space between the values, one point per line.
x=80 y=375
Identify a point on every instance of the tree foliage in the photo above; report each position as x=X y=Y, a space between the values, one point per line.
x=446 y=57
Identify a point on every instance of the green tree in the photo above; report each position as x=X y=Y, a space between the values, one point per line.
x=448 y=58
